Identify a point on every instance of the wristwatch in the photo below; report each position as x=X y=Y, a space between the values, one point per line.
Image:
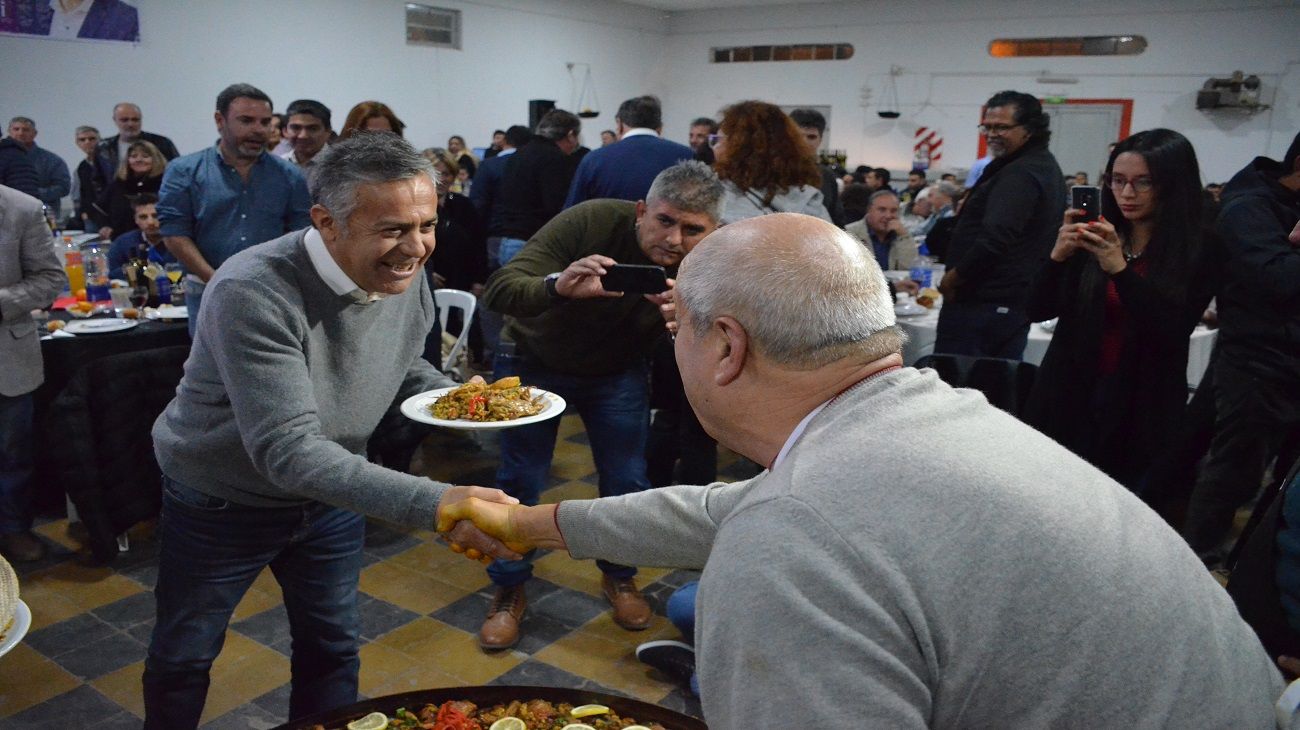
x=551 y=291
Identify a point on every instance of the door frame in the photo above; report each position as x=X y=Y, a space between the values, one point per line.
x=1125 y=119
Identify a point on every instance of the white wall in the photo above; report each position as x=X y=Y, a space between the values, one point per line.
x=337 y=51
x=948 y=74
x=345 y=51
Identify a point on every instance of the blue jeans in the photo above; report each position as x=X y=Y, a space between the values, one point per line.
x=210 y=552
x=16 y=463
x=681 y=612
x=981 y=330
x=193 y=298
x=616 y=412
x=509 y=247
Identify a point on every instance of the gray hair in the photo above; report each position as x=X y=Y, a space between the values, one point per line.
x=690 y=186
x=556 y=124
x=804 y=303
x=86 y=128
x=363 y=159
x=951 y=189
x=22 y=120
x=880 y=194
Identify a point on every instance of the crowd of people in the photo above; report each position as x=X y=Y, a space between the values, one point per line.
x=932 y=561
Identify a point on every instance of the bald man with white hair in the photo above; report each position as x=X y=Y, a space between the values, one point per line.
x=912 y=557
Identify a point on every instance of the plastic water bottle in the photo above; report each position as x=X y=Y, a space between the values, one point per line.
x=921 y=270
x=96 y=265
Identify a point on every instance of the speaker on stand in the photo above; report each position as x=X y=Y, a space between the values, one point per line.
x=537 y=109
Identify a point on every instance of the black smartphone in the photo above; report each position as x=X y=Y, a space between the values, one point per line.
x=635 y=278
x=1086 y=198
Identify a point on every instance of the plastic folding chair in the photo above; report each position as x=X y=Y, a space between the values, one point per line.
x=446 y=300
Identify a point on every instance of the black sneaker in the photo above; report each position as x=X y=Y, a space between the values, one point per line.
x=674 y=658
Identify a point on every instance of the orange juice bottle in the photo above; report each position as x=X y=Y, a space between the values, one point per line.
x=76 y=271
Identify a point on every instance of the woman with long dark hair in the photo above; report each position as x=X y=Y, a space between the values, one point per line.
x=764 y=164
x=1128 y=290
x=141 y=171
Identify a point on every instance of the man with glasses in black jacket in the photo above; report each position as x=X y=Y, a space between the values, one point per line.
x=1004 y=232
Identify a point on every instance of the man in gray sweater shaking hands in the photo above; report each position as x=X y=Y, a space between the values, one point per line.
x=302 y=345
x=912 y=557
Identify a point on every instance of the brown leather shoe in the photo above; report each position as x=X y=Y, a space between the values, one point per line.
x=501 y=628
x=22 y=547
x=630 y=608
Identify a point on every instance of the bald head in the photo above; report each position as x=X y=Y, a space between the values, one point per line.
x=129 y=120
x=805 y=291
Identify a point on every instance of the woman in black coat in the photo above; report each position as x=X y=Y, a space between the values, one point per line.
x=141 y=171
x=1128 y=290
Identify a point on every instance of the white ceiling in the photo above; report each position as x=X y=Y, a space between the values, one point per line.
x=680 y=5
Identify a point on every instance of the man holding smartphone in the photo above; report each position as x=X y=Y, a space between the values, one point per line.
x=574 y=336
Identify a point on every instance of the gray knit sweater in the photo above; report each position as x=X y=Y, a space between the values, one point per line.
x=286 y=382
x=921 y=559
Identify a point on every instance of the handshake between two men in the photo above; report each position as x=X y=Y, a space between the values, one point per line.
x=483 y=529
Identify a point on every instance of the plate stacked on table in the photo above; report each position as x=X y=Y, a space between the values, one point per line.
x=15 y=618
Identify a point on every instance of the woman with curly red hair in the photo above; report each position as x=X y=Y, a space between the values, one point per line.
x=371 y=116
x=764 y=164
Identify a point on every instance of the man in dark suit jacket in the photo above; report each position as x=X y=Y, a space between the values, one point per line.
x=625 y=169
x=813 y=125
x=105 y=20
x=128 y=119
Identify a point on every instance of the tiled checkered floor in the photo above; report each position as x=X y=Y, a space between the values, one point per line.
x=422 y=605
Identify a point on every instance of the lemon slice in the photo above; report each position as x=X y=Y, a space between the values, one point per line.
x=373 y=721
x=577 y=726
x=589 y=710
x=508 y=723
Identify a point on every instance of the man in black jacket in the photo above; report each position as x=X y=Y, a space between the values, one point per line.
x=16 y=169
x=813 y=126
x=1004 y=233
x=128 y=119
x=1257 y=370
x=536 y=180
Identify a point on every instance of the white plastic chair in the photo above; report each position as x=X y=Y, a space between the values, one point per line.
x=445 y=299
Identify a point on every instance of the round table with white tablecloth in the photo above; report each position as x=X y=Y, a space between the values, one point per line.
x=921 y=330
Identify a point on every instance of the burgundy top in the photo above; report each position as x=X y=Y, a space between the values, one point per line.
x=1112 y=329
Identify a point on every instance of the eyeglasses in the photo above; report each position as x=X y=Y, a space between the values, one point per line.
x=714 y=139
x=999 y=129
x=1117 y=183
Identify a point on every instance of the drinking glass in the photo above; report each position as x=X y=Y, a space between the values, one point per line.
x=139 y=296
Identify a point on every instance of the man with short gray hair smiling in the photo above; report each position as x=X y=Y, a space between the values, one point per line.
x=305 y=343
x=912 y=557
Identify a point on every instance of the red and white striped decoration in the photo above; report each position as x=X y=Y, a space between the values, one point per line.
x=928 y=147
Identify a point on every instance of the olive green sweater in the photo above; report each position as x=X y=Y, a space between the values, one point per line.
x=577 y=337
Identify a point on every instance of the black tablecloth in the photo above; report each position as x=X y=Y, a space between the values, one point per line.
x=64 y=355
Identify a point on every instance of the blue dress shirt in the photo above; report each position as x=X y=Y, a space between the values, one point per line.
x=206 y=200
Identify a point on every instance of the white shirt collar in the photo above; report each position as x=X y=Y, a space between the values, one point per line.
x=68 y=25
x=330 y=271
x=635 y=131
x=799 y=429
x=796 y=433
x=506 y=151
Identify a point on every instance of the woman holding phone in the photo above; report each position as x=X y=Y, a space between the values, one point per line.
x=1128 y=289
